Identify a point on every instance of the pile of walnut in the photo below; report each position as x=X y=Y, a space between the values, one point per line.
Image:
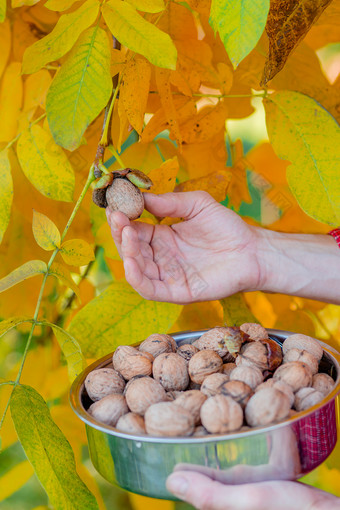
x=229 y=379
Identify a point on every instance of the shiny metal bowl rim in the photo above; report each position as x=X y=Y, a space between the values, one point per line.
x=80 y=411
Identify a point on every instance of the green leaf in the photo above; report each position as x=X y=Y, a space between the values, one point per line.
x=68 y=344
x=240 y=24
x=45 y=232
x=64 y=275
x=139 y=35
x=6 y=192
x=27 y=270
x=81 y=89
x=304 y=133
x=45 y=164
x=49 y=451
x=12 y=323
x=148 y=5
x=77 y=252
x=120 y=316
x=2 y=10
x=236 y=310
x=61 y=39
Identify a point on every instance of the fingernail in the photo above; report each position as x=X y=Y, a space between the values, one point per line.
x=177 y=484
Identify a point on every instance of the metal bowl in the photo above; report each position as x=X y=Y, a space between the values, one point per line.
x=283 y=451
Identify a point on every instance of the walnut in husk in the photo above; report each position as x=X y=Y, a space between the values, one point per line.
x=192 y=401
x=109 y=409
x=171 y=371
x=323 y=382
x=168 y=419
x=306 y=398
x=304 y=343
x=204 y=363
x=254 y=330
x=130 y=362
x=249 y=375
x=237 y=390
x=102 y=382
x=156 y=344
x=267 y=406
x=143 y=392
x=296 y=374
x=211 y=384
x=131 y=423
x=221 y=414
x=303 y=356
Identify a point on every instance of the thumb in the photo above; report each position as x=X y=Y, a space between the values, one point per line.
x=177 y=205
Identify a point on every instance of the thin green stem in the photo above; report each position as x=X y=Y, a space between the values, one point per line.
x=116 y=155
x=9 y=383
x=104 y=138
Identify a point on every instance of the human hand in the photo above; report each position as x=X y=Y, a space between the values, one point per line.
x=209 y=255
x=205 y=493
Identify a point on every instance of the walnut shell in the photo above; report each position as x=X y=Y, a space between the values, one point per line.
x=227 y=368
x=168 y=419
x=131 y=423
x=255 y=331
x=213 y=340
x=306 y=398
x=237 y=390
x=102 y=382
x=303 y=356
x=267 y=406
x=172 y=395
x=192 y=401
x=253 y=354
x=279 y=385
x=212 y=383
x=124 y=196
x=204 y=363
x=171 y=371
x=200 y=431
x=109 y=409
x=143 y=392
x=304 y=343
x=323 y=382
x=130 y=362
x=221 y=414
x=187 y=351
x=249 y=375
x=156 y=344
x=296 y=374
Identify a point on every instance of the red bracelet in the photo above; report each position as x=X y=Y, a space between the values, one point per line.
x=336 y=234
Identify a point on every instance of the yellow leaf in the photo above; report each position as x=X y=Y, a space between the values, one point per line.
x=27 y=270
x=165 y=93
x=238 y=190
x=64 y=275
x=198 y=316
x=5 y=42
x=15 y=478
x=104 y=239
x=45 y=164
x=81 y=89
x=58 y=42
x=134 y=91
x=76 y=252
x=20 y=3
x=215 y=183
x=59 y=5
x=10 y=101
x=205 y=124
x=118 y=61
x=139 y=35
x=8 y=324
x=119 y=316
x=236 y=310
x=148 y=5
x=2 y=10
x=164 y=177
x=6 y=192
x=305 y=134
x=45 y=232
x=35 y=91
x=141 y=503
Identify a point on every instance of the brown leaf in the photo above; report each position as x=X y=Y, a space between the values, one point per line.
x=215 y=183
x=288 y=22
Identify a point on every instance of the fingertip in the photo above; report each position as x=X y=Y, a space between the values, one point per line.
x=177 y=484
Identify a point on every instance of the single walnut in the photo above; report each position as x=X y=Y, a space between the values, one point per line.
x=221 y=414
x=304 y=343
x=267 y=406
x=192 y=401
x=303 y=356
x=130 y=362
x=213 y=340
x=157 y=344
x=212 y=383
x=143 y=392
x=249 y=375
x=102 y=382
x=109 y=409
x=306 y=398
x=237 y=390
x=263 y=354
x=204 y=363
x=323 y=382
x=168 y=419
x=200 y=431
x=255 y=331
x=187 y=351
x=279 y=385
x=227 y=368
x=172 y=395
x=171 y=371
x=131 y=423
x=296 y=374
